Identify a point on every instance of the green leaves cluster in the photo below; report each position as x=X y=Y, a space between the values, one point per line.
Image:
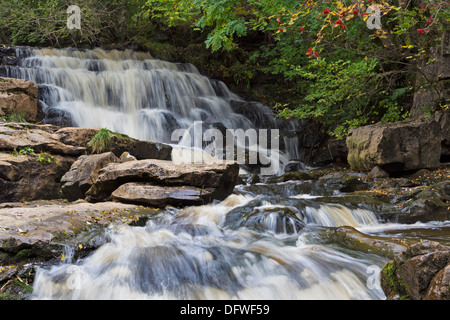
x=351 y=76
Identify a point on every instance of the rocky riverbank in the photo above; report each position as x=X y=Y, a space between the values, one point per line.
x=59 y=186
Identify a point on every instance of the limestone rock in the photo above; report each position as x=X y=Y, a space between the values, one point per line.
x=14 y=136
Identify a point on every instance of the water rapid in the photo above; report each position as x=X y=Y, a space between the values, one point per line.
x=196 y=253
x=262 y=242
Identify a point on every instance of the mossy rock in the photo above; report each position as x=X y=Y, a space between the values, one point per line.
x=393 y=287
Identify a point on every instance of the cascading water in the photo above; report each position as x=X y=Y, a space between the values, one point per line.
x=196 y=253
x=259 y=243
x=132 y=93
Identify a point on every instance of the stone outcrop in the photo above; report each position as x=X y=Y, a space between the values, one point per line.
x=20 y=97
x=34 y=158
x=25 y=178
x=421 y=272
x=395 y=147
x=15 y=136
x=217 y=180
x=31 y=230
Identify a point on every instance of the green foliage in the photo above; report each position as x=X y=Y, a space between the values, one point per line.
x=24 y=151
x=44 y=22
x=103 y=140
x=45 y=157
x=341 y=92
x=317 y=59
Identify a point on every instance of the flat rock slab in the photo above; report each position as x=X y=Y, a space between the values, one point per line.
x=14 y=136
x=24 y=225
x=221 y=177
x=158 y=196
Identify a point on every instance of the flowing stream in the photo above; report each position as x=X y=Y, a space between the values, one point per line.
x=261 y=242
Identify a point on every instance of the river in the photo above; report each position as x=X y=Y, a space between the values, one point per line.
x=265 y=241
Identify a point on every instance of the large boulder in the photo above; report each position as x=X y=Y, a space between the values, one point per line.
x=395 y=147
x=77 y=181
x=19 y=96
x=421 y=272
x=220 y=177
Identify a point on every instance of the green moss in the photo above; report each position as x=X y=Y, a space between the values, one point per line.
x=391 y=284
x=15 y=290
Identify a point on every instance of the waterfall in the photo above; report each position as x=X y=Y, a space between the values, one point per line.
x=148 y=99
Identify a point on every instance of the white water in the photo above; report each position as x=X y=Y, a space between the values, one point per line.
x=132 y=93
x=198 y=252
x=190 y=254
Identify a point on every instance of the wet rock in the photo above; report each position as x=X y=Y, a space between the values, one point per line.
x=418 y=272
x=395 y=147
x=294 y=166
x=427 y=204
x=77 y=181
x=345 y=182
x=222 y=178
x=261 y=217
x=353 y=239
x=156 y=196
